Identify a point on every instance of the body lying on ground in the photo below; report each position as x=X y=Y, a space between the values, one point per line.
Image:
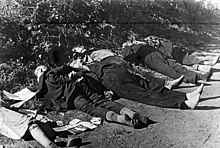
x=82 y=92
x=148 y=56
x=114 y=75
x=137 y=70
x=180 y=54
x=16 y=125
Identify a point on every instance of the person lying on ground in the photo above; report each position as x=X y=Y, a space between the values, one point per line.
x=83 y=93
x=180 y=54
x=111 y=57
x=115 y=77
x=191 y=74
x=173 y=51
x=142 y=54
x=56 y=58
x=16 y=125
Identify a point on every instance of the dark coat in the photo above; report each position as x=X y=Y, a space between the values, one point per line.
x=137 y=54
x=56 y=86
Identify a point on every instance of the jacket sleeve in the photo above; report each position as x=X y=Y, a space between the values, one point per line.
x=63 y=70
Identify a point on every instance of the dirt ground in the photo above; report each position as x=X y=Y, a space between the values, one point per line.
x=174 y=128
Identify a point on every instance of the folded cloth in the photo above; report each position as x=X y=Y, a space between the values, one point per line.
x=13 y=124
x=23 y=95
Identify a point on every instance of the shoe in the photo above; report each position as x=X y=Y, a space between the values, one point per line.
x=174 y=83
x=204 y=68
x=130 y=122
x=206 y=76
x=53 y=145
x=141 y=118
x=74 y=142
x=144 y=121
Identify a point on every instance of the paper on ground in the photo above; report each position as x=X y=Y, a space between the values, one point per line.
x=77 y=124
x=63 y=128
x=23 y=95
x=96 y=120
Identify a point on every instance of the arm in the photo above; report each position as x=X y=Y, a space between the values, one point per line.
x=146 y=74
x=65 y=69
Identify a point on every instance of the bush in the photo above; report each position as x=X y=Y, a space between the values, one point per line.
x=28 y=29
x=15 y=76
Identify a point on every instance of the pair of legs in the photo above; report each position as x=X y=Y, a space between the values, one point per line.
x=96 y=104
x=171 y=68
x=142 y=72
x=47 y=137
x=135 y=88
x=108 y=111
x=36 y=132
x=184 y=57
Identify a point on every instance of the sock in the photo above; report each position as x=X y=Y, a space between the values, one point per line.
x=128 y=112
x=111 y=116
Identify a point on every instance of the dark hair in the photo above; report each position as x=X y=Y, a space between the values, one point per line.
x=56 y=56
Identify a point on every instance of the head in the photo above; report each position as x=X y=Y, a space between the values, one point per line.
x=56 y=55
x=39 y=71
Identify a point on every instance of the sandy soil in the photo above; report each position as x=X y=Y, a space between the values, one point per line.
x=174 y=128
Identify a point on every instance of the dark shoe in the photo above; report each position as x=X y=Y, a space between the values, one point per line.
x=130 y=122
x=53 y=145
x=141 y=118
x=74 y=142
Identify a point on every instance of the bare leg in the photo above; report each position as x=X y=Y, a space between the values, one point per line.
x=40 y=136
x=193 y=97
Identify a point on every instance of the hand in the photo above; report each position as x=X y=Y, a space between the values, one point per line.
x=71 y=74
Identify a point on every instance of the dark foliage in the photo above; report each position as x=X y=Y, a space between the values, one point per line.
x=29 y=28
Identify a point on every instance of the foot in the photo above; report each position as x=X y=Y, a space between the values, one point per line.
x=204 y=68
x=206 y=76
x=74 y=142
x=126 y=120
x=141 y=118
x=193 y=97
x=212 y=62
x=53 y=145
x=176 y=82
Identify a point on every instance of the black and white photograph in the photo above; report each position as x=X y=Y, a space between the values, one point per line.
x=109 y=73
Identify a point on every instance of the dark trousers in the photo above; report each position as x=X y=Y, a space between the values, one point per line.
x=132 y=69
x=191 y=60
x=93 y=103
x=185 y=57
x=133 y=87
x=169 y=67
